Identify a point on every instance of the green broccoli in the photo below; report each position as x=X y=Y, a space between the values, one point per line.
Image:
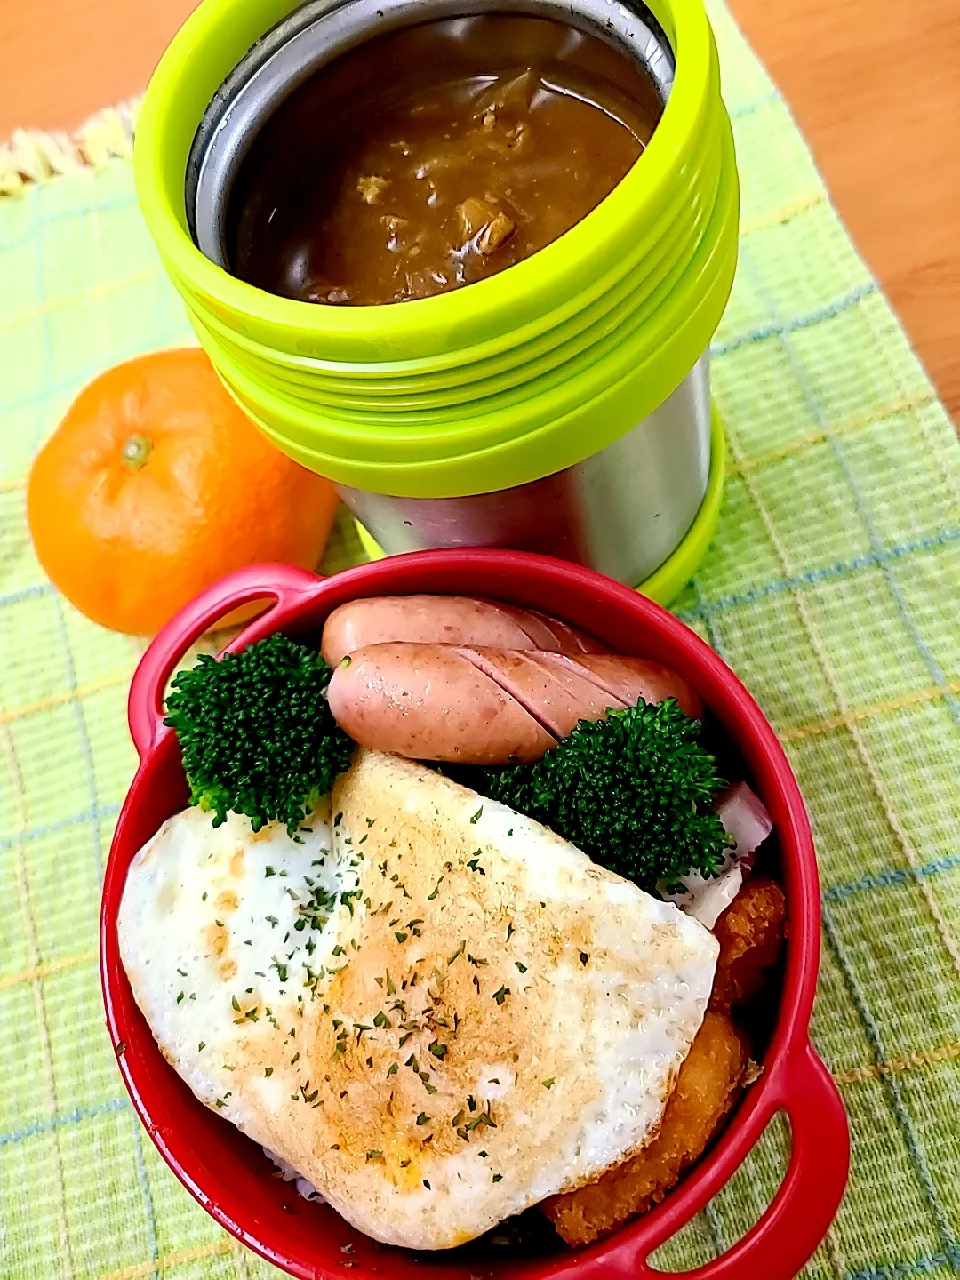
x=256 y=733
x=633 y=791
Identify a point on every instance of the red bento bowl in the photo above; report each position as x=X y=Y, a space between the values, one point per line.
x=230 y=1176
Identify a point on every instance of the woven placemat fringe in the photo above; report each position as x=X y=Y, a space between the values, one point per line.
x=32 y=156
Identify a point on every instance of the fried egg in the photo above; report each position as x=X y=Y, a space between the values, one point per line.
x=436 y=1010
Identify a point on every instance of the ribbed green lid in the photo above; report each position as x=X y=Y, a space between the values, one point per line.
x=495 y=384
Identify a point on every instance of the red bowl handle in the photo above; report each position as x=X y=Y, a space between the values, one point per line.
x=797 y=1218
x=283 y=583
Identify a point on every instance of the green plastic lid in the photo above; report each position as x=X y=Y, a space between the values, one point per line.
x=495 y=384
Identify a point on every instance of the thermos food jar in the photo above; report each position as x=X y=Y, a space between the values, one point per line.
x=561 y=405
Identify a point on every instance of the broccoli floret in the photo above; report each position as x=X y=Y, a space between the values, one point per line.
x=257 y=734
x=633 y=791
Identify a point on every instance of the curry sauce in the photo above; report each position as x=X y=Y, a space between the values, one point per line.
x=434 y=157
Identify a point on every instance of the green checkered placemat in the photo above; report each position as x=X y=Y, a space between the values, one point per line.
x=832 y=589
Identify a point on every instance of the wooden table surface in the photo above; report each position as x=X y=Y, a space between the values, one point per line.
x=874 y=84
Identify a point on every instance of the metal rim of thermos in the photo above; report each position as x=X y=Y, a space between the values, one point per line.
x=319 y=31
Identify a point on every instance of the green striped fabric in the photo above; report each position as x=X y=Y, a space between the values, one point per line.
x=832 y=588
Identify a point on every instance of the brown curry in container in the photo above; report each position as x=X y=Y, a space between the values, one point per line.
x=434 y=156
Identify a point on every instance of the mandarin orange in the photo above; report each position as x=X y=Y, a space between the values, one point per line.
x=155 y=484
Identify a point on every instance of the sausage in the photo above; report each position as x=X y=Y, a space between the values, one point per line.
x=559 y=699
x=630 y=679
x=566 y=639
x=475 y=704
x=429 y=702
x=445 y=620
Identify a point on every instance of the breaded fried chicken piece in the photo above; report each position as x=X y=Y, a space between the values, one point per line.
x=750 y=933
x=708 y=1084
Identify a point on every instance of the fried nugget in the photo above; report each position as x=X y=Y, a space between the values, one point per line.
x=708 y=1084
x=751 y=933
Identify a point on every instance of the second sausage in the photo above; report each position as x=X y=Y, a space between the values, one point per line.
x=422 y=619
x=481 y=705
